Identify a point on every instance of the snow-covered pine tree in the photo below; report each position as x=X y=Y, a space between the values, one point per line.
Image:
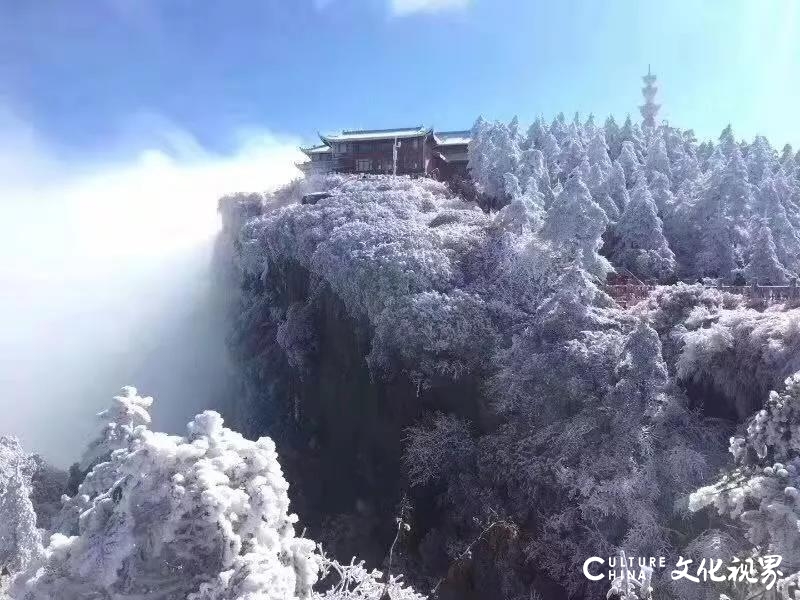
x=572 y=154
x=613 y=137
x=127 y=412
x=575 y=224
x=657 y=160
x=788 y=165
x=597 y=183
x=559 y=127
x=493 y=153
x=630 y=164
x=630 y=132
x=513 y=128
x=786 y=238
x=720 y=244
x=20 y=540
x=526 y=209
x=762 y=160
x=552 y=152
x=536 y=133
x=617 y=187
x=662 y=195
x=737 y=191
x=727 y=142
x=764 y=268
x=597 y=152
x=589 y=127
x=640 y=243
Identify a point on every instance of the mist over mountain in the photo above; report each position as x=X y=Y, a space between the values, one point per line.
x=105 y=275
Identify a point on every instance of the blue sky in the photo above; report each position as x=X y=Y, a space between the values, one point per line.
x=82 y=73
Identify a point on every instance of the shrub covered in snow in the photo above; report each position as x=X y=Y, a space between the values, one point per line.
x=202 y=517
x=761 y=490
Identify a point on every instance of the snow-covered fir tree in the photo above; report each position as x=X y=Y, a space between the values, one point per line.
x=128 y=411
x=640 y=243
x=20 y=539
x=764 y=267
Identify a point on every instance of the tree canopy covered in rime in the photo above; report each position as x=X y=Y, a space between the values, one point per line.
x=710 y=198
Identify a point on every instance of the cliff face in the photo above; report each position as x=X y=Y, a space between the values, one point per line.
x=309 y=300
x=399 y=343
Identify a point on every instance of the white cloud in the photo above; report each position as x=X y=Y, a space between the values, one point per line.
x=104 y=276
x=407 y=7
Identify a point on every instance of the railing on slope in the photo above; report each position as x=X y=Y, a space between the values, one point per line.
x=770 y=293
x=628 y=294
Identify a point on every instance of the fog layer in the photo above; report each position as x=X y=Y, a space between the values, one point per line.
x=104 y=277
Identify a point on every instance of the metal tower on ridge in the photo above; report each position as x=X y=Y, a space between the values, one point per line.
x=649 y=109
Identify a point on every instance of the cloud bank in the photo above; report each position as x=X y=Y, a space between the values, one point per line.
x=104 y=276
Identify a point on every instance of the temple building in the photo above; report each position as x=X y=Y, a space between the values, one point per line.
x=416 y=151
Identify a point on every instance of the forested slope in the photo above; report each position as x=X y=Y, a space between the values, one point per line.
x=400 y=341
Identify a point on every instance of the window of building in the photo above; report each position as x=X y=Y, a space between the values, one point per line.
x=363 y=164
x=415 y=143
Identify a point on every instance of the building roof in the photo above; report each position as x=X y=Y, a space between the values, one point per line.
x=452 y=138
x=366 y=135
x=322 y=149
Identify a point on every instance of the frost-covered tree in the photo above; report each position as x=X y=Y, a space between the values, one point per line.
x=737 y=193
x=716 y=227
x=630 y=132
x=762 y=160
x=597 y=152
x=575 y=224
x=20 y=540
x=629 y=163
x=785 y=236
x=617 y=187
x=551 y=151
x=534 y=138
x=127 y=412
x=572 y=154
x=613 y=137
x=789 y=163
x=180 y=513
x=640 y=242
x=597 y=182
x=761 y=490
x=764 y=266
x=493 y=152
x=662 y=195
x=727 y=142
x=559 y=127
x=657 y=160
